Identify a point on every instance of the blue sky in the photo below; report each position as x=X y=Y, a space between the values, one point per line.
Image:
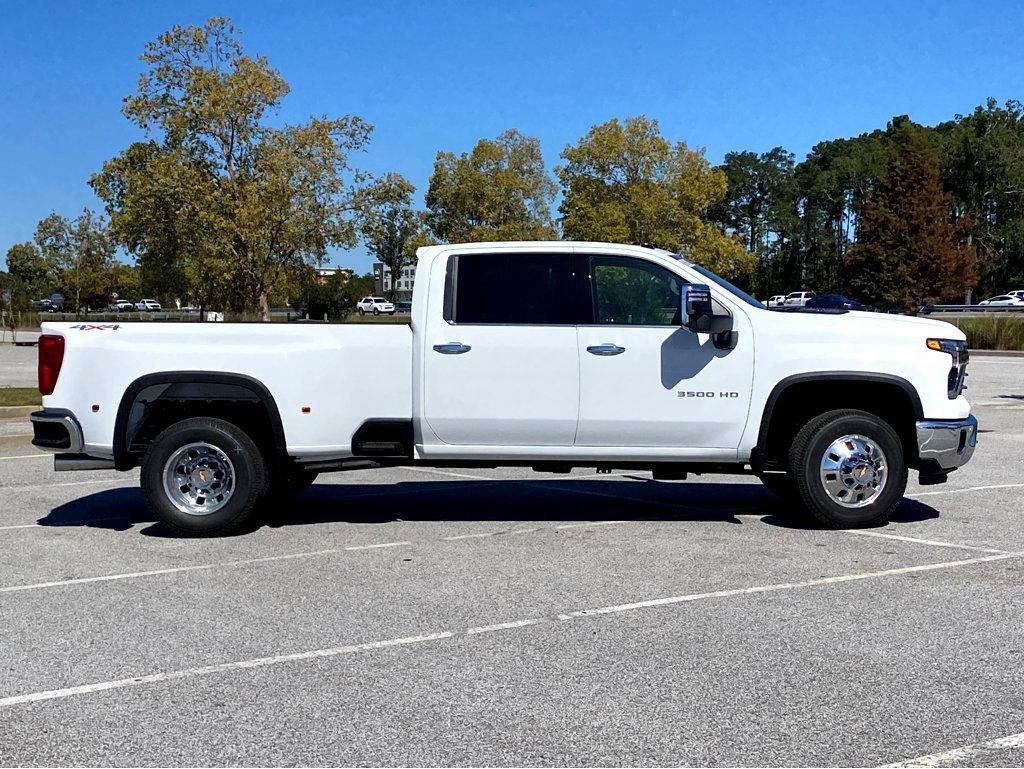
x=440 y=75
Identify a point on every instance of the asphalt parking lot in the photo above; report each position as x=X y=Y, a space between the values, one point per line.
x=482 y=617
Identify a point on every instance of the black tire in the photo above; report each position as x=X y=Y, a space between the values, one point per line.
x=250 y=477
x=362 y=311
x=376 y=311
x=808 y=449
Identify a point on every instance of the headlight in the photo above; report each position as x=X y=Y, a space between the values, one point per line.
x=957 y=350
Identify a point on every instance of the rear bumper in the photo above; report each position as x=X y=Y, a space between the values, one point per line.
x=944 y=445
x=56 y=430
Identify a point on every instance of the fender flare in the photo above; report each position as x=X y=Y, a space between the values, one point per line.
x=828 y=376
x=123 y=460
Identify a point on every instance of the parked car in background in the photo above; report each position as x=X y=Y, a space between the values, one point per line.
x=376 y=304
x=122 y=305
x=44 y=305
x=404 y=306
x=832 y=302
x=1019 y=294
x=797 y=298
x=148 y=305
x=775 y=301
x=1003 y=300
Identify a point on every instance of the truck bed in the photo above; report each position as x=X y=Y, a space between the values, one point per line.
x=343 y=374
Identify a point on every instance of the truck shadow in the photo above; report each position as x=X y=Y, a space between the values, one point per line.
x=565 y=501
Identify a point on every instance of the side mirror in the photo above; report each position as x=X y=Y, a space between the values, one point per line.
x=698 y=314
x=695 y=307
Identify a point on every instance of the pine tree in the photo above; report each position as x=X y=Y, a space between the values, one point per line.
x=908 y=250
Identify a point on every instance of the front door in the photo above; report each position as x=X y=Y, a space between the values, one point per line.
x=501 y=366
x=646 y=381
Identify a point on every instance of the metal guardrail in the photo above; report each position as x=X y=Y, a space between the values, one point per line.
x=939 y=308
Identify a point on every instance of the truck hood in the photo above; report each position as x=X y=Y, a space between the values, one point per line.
x=874 y=324
x=929 y=326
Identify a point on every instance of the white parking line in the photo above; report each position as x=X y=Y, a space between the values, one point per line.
x=961 y=491
x=37 y=486
x=194 y=567
x=62 y=524
x=209 y=669
x=588 y=524
x=965 y=753
x=445 y=472
x=224 y=667
x=29 y=456
x=786 y=586
x=377 y=547
x=932 y=542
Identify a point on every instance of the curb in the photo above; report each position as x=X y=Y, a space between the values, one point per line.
x=997 y=353
x=17 y=412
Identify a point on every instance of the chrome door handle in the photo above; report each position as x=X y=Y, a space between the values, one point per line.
x=452 y=348
x=605 y=349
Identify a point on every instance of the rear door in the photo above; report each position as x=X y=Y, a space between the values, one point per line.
x=645 y=380
x=500 y=364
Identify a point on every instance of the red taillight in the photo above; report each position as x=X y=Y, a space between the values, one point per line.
x=51 y=356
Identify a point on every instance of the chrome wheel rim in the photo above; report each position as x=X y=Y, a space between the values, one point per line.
x=853 y=471
x=199 y=479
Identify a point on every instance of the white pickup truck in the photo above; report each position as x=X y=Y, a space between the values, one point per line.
x=550 y=355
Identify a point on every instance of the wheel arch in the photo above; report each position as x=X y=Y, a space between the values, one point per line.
x=802 y=396
x=202 y=389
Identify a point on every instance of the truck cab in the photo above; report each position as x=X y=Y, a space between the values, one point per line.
x=550 y=355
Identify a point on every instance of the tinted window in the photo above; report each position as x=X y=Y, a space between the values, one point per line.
x=633 y=292
x=523 y=289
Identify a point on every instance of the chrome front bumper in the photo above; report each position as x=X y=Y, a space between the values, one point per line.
x=946 y=445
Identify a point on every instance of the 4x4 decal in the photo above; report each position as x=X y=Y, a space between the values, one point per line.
x=97 y=326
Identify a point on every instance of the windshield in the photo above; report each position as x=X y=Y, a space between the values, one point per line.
x=728 y=286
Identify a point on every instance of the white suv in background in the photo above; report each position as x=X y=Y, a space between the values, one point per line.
x=148 y=305
x=797 y=298
x=775 y=301
x=376 y=305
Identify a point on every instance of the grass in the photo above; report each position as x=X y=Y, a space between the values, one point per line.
x=19 y=396
x=998 y=332
x=357 y=318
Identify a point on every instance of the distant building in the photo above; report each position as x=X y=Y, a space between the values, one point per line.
x=403 y=285
x=323 y=273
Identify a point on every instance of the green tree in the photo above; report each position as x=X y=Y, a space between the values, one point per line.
x=908 y=249
x=391 y=228
x=26 y=264
x=624 y=182
x=336 y=296
x=497 y=191
x=80 y=257
x=833 y=184
x=760 y=207
x=236 y=206
x=14 y=300
x=983 y=167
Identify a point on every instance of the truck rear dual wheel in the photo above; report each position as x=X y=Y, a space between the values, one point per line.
x=848 y=469
x=203 y=477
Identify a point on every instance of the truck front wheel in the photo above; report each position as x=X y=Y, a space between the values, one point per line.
x=203 y=477
x=849 y=469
